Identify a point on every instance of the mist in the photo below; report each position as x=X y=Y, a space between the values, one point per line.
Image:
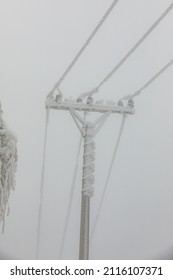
x=38 y=41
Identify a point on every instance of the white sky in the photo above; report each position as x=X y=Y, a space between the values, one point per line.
x=38 y=41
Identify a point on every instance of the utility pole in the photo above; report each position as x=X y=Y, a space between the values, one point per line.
x=87 y=191
x=88 y=131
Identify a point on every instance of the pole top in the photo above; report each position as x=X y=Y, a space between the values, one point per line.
x=89 y=105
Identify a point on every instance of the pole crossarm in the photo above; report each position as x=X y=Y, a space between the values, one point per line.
x=54 y=103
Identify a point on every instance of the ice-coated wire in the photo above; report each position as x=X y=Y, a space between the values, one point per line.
x=42 y=186
x=133 y=49
x=108 y=175
x=157 y=75
x=76 y=122
x=103 y=19
x=71 y=196
x=149 y=82
x=72 y=189
x=100 y=122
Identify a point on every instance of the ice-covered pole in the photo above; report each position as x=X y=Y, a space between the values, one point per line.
x=8 y=163
x=88 y=131
x=87 y=190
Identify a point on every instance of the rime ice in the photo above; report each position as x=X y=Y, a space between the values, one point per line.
x=8 y=163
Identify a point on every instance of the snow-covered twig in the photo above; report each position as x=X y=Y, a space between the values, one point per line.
x=8 y=164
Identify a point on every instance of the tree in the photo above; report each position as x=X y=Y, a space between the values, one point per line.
x=8 y=164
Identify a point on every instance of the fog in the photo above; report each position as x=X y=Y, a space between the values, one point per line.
x=38 y=41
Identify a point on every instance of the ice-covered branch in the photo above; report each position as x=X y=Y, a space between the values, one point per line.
x=8 y=164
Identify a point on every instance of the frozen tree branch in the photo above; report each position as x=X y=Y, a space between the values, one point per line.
x=8 y=164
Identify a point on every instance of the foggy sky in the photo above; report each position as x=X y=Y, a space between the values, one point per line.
x=38 y=41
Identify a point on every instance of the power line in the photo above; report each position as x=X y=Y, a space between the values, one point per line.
x=155 y=76
x=133 y=49
x=109 y=174
x=105 y=16
x=42 y=186
x=70 y=199
x=163 y=15
x=71 y=196
x=150 y=81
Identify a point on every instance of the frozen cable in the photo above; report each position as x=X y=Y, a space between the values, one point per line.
x=108 y=175
x=105 y=16
x=42 y=186
x=133 y=49
x=71 y=193
x=70 y=199
x=149 y=82
x=100 y=122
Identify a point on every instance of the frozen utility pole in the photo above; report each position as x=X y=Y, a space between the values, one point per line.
x=88 y=131
x=87 y=191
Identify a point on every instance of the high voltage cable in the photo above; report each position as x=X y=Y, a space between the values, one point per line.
x=150 y=81
x=71 y=196
x=108 y=175
x=133 y=49
x=70 y=199
x=85 y=44
x=42 y=186
x=156 y=23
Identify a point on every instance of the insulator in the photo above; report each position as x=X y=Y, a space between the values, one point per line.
x=89 y=100
x=120 y=103
x=130 y=103
x=79 y=100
